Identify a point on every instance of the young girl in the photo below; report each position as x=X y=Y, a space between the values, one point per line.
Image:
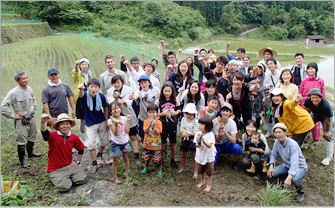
x=147 y=95
x=192 y=95
x=180 y=78
x=120 y=92
x=212 y=90
x=169 y=108
x=80 y=75
x=310 y=82
x=119 y=126
x=205 y=151
x=188 y=126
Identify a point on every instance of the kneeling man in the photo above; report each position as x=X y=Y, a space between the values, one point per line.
x=63 y=172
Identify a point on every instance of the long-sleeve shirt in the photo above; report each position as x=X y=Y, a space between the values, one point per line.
x=291 y=155
x=22 y=101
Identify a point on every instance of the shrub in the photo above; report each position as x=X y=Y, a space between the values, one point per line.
x=275 y=195
x=17 y=197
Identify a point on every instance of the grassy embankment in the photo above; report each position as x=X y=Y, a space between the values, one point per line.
x=37 y=55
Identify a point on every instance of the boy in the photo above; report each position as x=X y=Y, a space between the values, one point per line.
x=255 y=148
x=152 y=143
x=225 y=131
x=95 y=120
x=209 y=110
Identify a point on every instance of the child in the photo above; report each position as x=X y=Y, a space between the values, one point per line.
x=169 y=108
x=120 y=92
x=188 y=126
x=255 y=146
x=95 y=120
x=210 y=109
x=204 y=155
x=152 y=144
x=147 y=95
x=119 y=126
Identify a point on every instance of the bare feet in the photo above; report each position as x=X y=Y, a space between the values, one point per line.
x=181 y=170
x=116 y=181
x=208 y=188
x=201 y=184
x=195 y=175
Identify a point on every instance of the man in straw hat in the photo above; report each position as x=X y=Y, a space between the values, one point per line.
x=267 y=53
x=294 y=166
x=63 y=172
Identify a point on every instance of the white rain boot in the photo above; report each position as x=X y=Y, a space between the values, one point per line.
x=268 y=129
x=84 y=138
x=329 y=152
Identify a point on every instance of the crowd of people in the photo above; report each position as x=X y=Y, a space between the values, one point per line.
x=220 y=111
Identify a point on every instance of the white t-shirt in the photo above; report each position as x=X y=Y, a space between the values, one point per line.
x=204 y=154
x=122 y=138
x=230 y=127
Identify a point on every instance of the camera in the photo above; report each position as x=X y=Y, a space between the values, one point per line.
x=25 y=121
x=117 y=93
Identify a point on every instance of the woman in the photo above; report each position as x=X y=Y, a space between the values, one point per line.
x=180 y=78
x=310 y=82
x=193 y=95
x=298 y=121
x=80 y=75
x=238 y=97
x=287 y=84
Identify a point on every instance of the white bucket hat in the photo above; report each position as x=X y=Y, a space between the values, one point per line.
x=190 y=108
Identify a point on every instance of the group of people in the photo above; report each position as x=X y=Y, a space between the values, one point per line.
x=210 y=112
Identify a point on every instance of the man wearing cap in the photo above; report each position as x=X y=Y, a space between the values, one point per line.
x=299 y=70
x=232 y=68
x=267 y=53
x=320 y=110
x=240 y=54
x=54 y=97
x=24 y=105
x=294 y=165
x=62 y=171
x=225 y=131
x=106 y=77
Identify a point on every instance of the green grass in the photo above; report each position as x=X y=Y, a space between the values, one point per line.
x=275 y=195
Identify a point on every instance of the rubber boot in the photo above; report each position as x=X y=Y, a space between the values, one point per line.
x=22 y=152
x=268 y=130
x=252 y=169
x=301 y=194
x=265 y=169
x=329 y=152
x=30 y=148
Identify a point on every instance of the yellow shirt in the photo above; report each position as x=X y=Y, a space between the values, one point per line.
x=77 y=80
x=296 y=118
x=290 y=91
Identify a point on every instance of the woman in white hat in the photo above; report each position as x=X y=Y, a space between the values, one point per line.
x=298 y=121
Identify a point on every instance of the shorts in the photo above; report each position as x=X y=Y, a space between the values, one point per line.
x=97 y=134
x=171 y=132
x=118 y=149
x=208 y=168
x=140 y=129
x=188 y=146
x=147 y=154
x=133 y=131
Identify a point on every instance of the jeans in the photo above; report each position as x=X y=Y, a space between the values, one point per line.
x=297 y=178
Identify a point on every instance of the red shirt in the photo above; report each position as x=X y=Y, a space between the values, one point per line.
x=60 y=150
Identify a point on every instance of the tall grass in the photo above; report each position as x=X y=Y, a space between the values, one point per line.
x=275 y=195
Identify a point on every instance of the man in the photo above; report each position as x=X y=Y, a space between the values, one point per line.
x=106 y=77
x=24 y=104
x=321 y=111
x=294 y=166
x=268 y=53
x=170 y=58
x=240 y=55
x=62 y=171
x=299 y=70
x=272 y=74
x=54 y=97
x=202 y=62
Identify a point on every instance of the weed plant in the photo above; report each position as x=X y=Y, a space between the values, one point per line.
x=275 y=195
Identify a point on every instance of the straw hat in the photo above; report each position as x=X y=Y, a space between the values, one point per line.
x=261 y=52
x=280 y=125
x=63 y=117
